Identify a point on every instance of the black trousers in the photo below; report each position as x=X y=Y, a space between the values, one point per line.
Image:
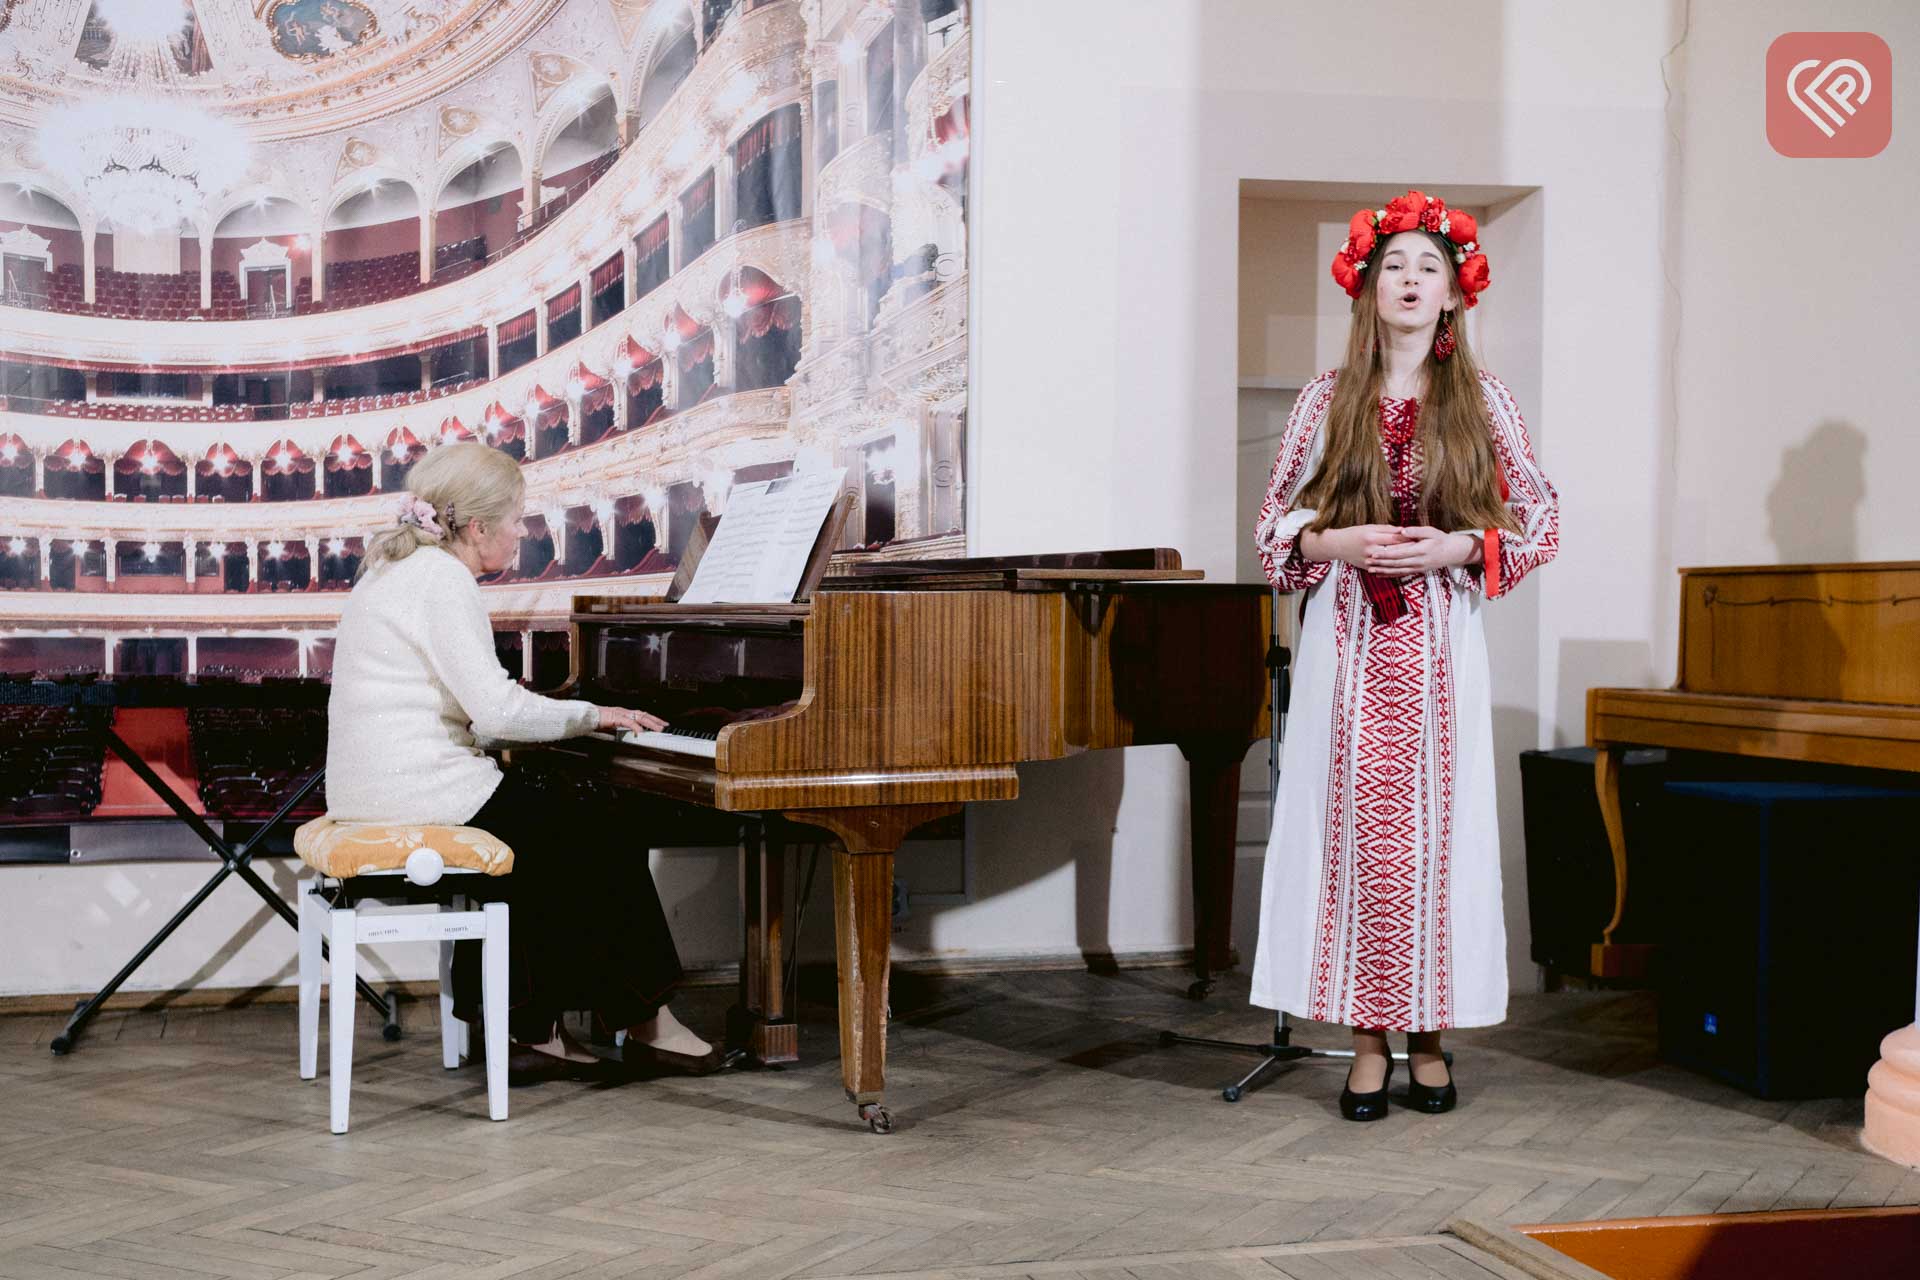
x=586 y=927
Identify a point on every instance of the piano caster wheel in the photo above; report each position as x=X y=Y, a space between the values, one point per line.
x=390 y=1032
x=1167 y=1039
x=1200 y=988
x=1231 y=1093
x=877 y=1117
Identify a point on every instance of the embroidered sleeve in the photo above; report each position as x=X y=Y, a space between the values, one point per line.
x=1509 y=557
x=1277 y=532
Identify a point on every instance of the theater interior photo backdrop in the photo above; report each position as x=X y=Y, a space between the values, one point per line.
x=260 y=258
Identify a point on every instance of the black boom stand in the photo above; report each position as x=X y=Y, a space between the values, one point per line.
x=1281 y=1048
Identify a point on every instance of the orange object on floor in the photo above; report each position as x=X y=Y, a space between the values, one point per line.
x=1859 y=1244
x=159 y=736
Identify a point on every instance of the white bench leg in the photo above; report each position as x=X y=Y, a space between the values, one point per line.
x=493 y=974
x=451 y=1028
x=340 y=1001
x=311 y=911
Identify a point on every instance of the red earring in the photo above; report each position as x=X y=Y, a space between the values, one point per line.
x=1443 y=341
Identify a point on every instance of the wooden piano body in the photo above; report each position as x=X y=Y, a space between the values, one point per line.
x=897 y=694
x=1819 y=663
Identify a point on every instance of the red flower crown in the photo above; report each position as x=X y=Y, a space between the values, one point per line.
x=1414 y=211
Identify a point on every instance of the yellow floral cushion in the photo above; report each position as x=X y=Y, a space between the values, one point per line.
x=342 y=849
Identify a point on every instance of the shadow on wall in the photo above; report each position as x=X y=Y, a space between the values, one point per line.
x=1813 y=505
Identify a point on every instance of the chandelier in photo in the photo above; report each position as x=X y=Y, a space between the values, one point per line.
x=146 y=156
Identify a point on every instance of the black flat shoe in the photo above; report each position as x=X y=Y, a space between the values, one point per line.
x=645 y=1060
x=1431 y=1099
x=527 y=1066
x=1366 y=1106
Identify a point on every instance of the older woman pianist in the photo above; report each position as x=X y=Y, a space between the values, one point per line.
x=416 y=688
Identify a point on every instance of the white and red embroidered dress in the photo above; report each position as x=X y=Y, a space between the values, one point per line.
x=1381 y=901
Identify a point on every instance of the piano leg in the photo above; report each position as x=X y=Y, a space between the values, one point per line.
x=865 y=842
x=1612 y=959
x=761 y=1023
x=1213 y=803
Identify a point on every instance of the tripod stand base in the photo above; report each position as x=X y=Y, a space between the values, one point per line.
x=1275 y=1053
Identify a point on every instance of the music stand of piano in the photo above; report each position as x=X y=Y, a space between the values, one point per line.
x=889 y=695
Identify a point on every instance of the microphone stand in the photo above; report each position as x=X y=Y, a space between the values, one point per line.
x=1280 y=1049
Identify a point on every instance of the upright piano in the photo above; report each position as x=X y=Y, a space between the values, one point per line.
x=896 y=693
x=1816 y=662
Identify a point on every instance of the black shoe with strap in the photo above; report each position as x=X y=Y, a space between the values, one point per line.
x=1366 y=1106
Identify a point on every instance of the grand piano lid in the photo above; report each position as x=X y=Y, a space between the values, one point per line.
x=1051 y=571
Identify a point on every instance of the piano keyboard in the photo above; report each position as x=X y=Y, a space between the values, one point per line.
x=686 y=742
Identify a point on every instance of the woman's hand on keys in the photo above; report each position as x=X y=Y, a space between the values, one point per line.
x=628 y=720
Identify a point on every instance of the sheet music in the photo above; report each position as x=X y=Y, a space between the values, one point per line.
x=765 y=535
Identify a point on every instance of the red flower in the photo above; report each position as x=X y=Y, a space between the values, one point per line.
x=1361 y=232
x=1431 y=215
x=1345 y=276
x=1473 y=276
x=1461 y=227
x=1403 y=213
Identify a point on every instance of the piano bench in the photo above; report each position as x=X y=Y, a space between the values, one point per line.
x=415 y=873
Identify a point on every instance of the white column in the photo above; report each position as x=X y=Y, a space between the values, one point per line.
x=89 y=255
x=526 y=655
x=426 y=245
x=576 y=420
x=725 y=334
x=112 y=557
x=723 y=196
x=40 y=474
x=670 y=380
x=193 y=653
x=586 y=300
x=426 y=371
x=313 y=584
x=193 y=481
x=809 y=163
x=621 y=419
x=253 y=563
x=206 y=269
x=46 y=559
x=187 y=545
x=676 y=242
x=259 y=479
x=493 y=351
x=530 y=195
x=558 y=528
x=540 y=326
x=300 y=647
x=629 y=259
x=318 y=261
x=106 y=658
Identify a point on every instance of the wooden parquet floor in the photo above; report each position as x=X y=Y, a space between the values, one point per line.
x=1041 y=1132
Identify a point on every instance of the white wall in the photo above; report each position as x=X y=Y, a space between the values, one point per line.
x=1706 y=307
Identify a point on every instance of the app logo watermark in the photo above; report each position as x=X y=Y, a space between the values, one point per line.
x=1829 y=94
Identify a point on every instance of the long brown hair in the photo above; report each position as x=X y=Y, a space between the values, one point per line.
x=1461 y=485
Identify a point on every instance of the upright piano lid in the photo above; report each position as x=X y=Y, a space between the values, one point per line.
x=1826 y=632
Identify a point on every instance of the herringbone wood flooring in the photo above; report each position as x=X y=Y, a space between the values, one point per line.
x=1041 y=1131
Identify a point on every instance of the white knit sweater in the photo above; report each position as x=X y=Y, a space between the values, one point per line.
x=415 y=684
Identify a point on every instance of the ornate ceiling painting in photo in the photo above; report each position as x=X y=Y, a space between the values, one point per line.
x=261 y=256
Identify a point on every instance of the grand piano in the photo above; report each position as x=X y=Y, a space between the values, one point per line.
x=891 y=695
x=1819 y=663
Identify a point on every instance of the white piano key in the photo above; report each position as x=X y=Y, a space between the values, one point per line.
x=676 y=742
